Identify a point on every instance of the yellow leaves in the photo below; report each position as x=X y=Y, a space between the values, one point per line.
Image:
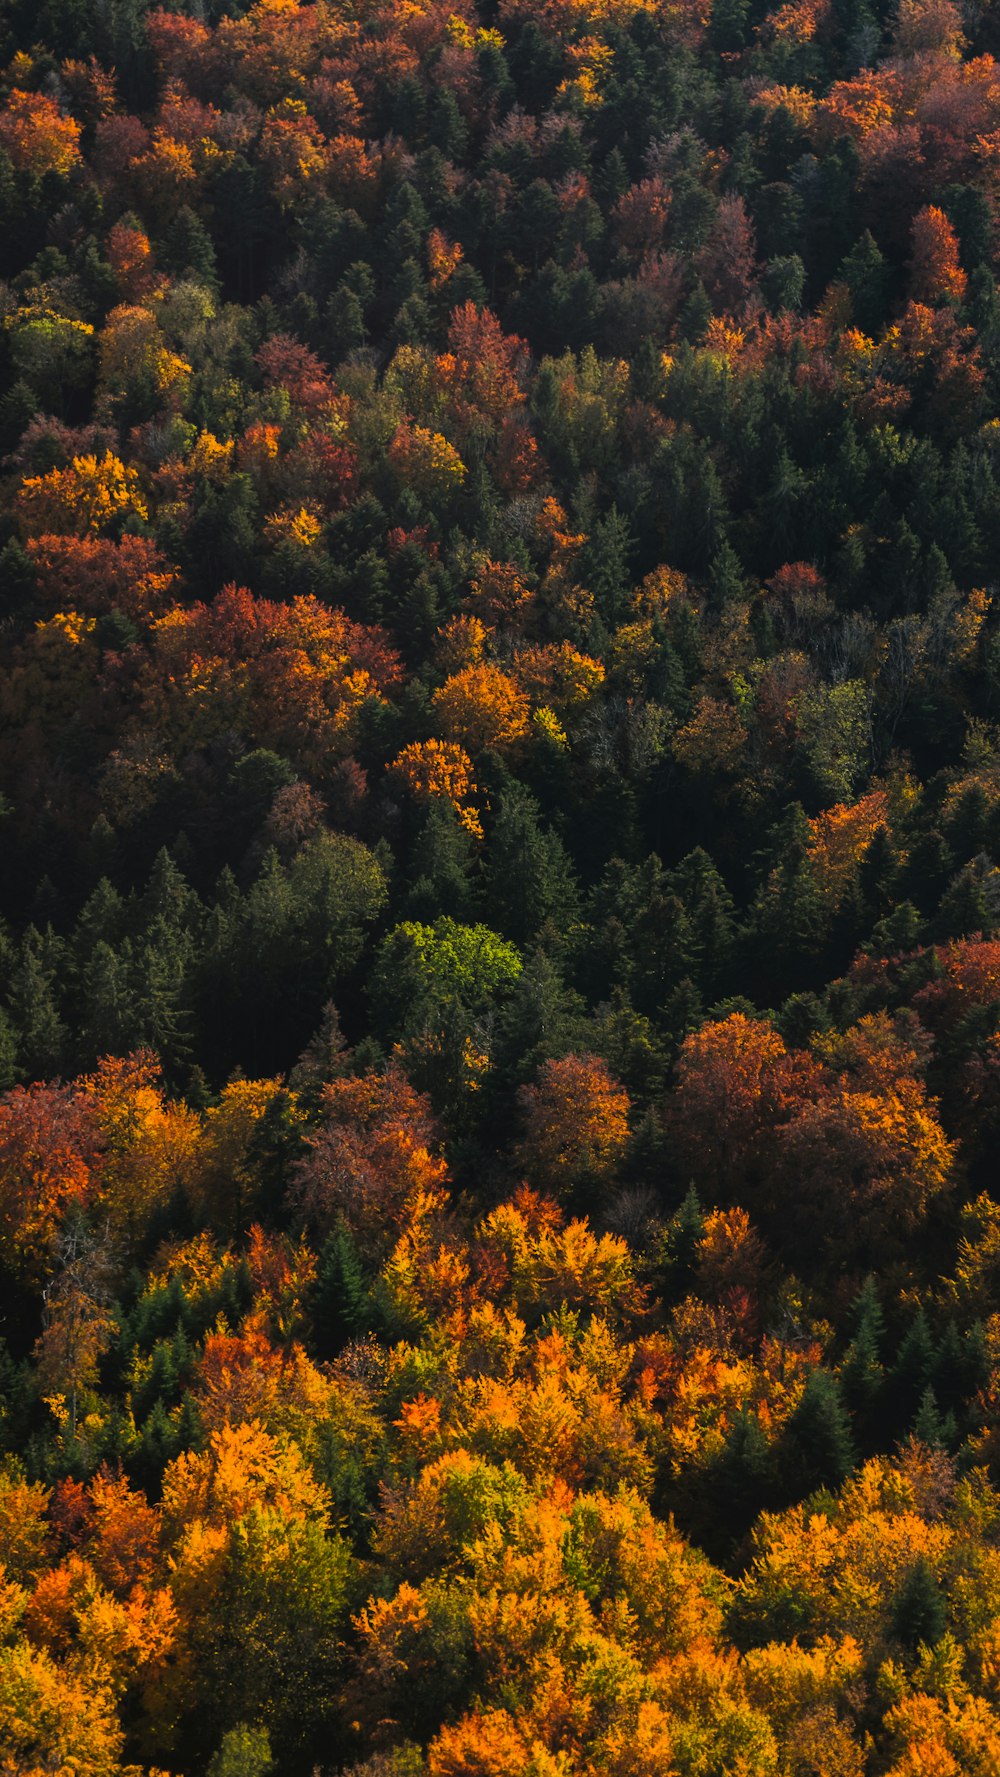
x=713 y=743
x=559 y=676
x=660 y=592
x=787 y=1679
x=592 y=61
x=301 y=526
x=552 y=1266
x=133 y=347
x=223 y=1179
x=23 y=1525
x=969 y=620
x=426 y=461
x=69 y=627
x=243 y=1468
x=37 y=137
x=845 y=1567
x=55 y=1719
x=211 y=456
x=89 y=495
x=461 y=642
x=548 y=728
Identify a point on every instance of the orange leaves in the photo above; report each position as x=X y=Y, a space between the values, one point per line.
x=430 y=768
x=487 y=1745
x=840 y=836
x=148 y=1144
x=482 y=707
x=130 y=256
x=879 y=1158
x=48 y=1152
x=727 y=1074
x=576 y=1123
x=293 y=676
x=123 y=1533
x=936 y=274
x=847 y=1157
x=244 y=1378
x=242 y=1469
x=37 y=137
x=483 y=369
x=294 y=151
x=443 y=258
x=857 y=107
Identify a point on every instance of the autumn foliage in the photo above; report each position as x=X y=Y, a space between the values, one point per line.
x=499 y=889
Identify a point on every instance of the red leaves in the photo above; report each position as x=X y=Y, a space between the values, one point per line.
x=48 y=1150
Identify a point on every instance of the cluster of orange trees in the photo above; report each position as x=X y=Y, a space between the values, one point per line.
x=499 y=889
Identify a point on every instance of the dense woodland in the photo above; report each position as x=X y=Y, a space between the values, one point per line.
x=500 y=889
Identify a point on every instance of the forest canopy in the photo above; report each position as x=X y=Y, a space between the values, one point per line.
x=499 y=888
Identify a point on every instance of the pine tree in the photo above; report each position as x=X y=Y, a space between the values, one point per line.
x=965 y=908
x=542 y=1019
x=866 y=274
x=743 y=1478
x=711 y=916
x=442 y=866
x=817 y=1449
x=911 y=1374
x=187 y=249
x=919 y=1613
x=341 y=1303
x=110 y=1014
x=862 y=1374
x=528 y=875
x=42 y=1036
x=932 y=1427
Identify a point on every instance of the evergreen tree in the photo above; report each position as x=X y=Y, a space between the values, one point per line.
x=817 y=1449
x=528 y=876
x=919 y=1616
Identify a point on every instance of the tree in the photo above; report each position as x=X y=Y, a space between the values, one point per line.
x=817 y=1450
x=529 y=878
x=38 y=138
x=919 y=1611
x=261 y=1625
x=52 y=1717
x=48 y=1155
x=935 y=271
x=481 y=707
x=426 y=974
x=575 y=1124
x=373 y=1163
